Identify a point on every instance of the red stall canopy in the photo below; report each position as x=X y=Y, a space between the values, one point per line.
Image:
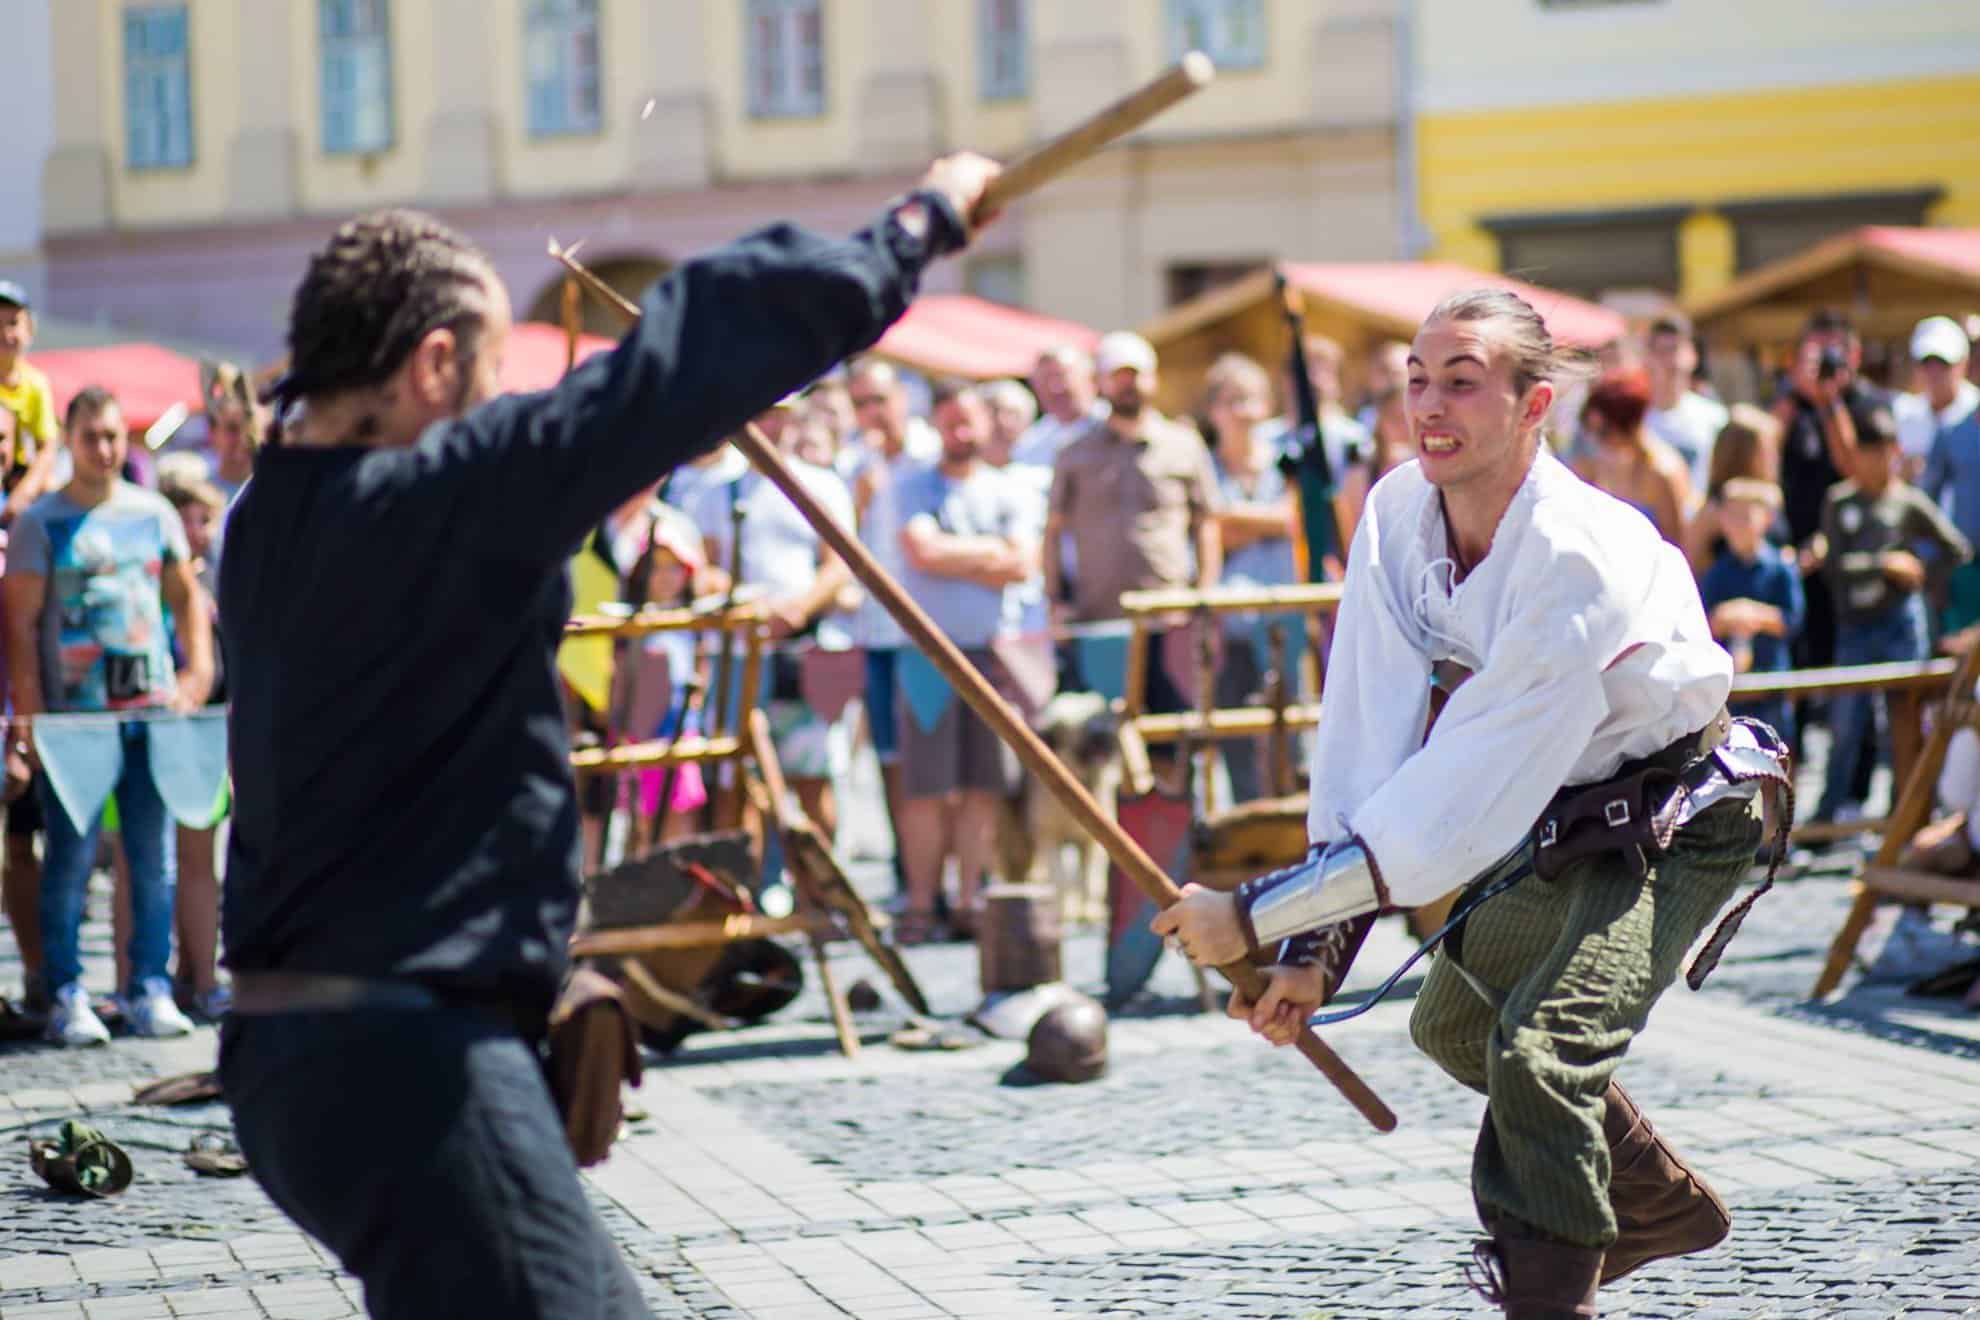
x=954 y=334
x=146 y=379
x=537 y=353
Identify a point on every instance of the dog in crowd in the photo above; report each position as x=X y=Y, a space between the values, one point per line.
x=1038 y=840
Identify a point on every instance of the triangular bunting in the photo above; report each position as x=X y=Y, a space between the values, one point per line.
x=1102 y=654
x=923 y=688
x=189 y=764
x=829 y=679
x=1032 y=666
x=83 y=760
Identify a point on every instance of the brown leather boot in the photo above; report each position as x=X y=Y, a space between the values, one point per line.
x=1534 y=1278
x=1662 y=1207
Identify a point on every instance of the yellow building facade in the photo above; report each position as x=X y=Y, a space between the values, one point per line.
x=1670 y=145
x=184 y=131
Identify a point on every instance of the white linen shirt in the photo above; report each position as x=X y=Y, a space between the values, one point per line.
x=1588 y=646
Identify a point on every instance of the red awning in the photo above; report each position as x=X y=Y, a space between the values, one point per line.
x=1404 y=292
x=1950 y=250
x=537 y=353
x=146 y=379
x=959 y=335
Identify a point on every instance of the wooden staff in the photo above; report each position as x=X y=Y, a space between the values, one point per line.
x=1025 y=175
x=1036 y=756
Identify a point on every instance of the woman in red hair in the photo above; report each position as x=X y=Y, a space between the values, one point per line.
x=1624 y=459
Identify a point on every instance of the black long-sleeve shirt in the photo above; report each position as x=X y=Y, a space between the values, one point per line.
x=403 y=800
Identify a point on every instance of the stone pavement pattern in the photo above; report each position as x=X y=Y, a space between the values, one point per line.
x=1206 y=1176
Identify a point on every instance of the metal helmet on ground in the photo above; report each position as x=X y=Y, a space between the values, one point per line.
x=1069 y=1043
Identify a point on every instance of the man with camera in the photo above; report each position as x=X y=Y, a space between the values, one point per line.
x=1822 y=408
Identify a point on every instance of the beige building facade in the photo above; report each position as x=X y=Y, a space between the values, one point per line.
x=200 y=148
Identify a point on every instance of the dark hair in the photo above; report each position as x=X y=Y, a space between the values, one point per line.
x=1876 y=429
x=947 y=390
x=384 y=282
x=1535 y=355
x=1621 y=399
x=1829 y=321
x=89 y=401
x=1671 y=323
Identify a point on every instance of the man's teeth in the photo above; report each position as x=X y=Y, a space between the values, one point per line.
x=1440 y=444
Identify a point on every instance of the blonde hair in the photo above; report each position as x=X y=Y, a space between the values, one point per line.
x=1233 y=371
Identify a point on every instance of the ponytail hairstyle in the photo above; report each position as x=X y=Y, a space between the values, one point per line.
x=383 y=283
x=1535 y=355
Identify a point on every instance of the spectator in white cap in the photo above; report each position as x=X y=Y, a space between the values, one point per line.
x=1947 y=404
x=1943 y=397
x=1135 y=494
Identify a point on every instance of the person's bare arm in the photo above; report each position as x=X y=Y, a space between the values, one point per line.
x=993 y=561
x=1209 y=554
x=791 y=614
x=21 y=596
x=1240 y=525
x=34 y=483
x=188 y=603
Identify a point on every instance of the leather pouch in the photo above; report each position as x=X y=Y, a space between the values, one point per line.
x=593 y=1051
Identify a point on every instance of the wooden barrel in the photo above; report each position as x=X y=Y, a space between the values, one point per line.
x=1017 y=939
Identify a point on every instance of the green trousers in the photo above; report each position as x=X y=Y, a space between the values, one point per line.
x=1580 y=961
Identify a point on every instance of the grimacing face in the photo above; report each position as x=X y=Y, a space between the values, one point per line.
x=1467 y=416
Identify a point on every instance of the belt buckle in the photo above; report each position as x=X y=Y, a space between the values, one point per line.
x=1616 y=812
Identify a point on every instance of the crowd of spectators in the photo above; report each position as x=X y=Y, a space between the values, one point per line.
x=1835 y=524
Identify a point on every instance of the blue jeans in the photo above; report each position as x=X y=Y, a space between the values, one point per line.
x=880 y=689
x=1894 y=636
x=70 y=855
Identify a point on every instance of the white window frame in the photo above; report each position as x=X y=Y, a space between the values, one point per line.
x=1231 y=32
x=354 y=76
x=795 y=87
x=562 y=98
x=158 y=117
x=1003 y=49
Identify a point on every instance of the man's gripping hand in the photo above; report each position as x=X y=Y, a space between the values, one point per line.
x=1292 y=995
x=1205 y=923
x=961 y=178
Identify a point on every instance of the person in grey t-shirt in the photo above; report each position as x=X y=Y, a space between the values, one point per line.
x=964 y=550
x=91 y=569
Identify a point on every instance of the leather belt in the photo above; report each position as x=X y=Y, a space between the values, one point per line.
x=261 y=994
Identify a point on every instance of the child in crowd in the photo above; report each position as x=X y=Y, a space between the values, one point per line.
x=29 y=458
x=1869 y=527
x=1752 y=593
x=665 y=578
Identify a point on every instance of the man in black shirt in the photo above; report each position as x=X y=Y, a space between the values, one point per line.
x=402 y=876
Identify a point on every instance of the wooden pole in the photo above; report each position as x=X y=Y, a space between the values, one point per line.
x=973 y=688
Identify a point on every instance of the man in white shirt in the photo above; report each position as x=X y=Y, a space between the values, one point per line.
x=1944 y=398
x=1069 y=399
x=1574 y=651
x=1679 y=415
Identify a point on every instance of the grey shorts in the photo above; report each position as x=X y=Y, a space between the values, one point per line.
x=961 y=752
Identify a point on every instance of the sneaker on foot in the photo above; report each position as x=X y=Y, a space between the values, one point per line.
x=215 y=1003
x=151 y=1011
x=71 y=1021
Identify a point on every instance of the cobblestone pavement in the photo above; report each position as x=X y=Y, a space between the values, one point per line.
x=1206 y=1176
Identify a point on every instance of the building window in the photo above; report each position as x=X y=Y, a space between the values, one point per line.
x=1003 y=49
x=997 y=279
x=785 y=49
x=157 y=88
x=357 y=75
x=1592 y=253
x=562 y=42
x=1769 y=229
x=1184 y=280
x=1230 y=32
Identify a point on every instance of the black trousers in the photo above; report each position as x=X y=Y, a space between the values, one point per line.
x=423 y=1148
